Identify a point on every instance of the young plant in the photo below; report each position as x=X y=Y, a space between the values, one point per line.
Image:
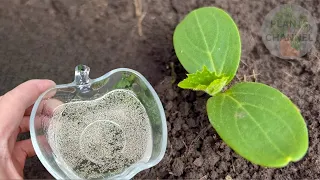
x=257 y=121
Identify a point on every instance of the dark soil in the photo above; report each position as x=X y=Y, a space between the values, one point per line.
x=48 y=38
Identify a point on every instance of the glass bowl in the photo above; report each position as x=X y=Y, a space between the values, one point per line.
x=84 y=89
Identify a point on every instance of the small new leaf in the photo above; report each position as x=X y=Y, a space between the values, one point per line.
x=204 y=81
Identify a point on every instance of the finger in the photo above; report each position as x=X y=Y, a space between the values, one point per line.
x=47 y=107
x=14 y=103
x=26 y=93
x=40 y=121
x=24 y=125
x=22 y=150
x=43 y=115
x=48 y=95
x=12 y=140
x=28 y=111
x=26 y=147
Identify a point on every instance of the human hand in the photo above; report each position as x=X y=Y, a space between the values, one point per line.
x=15 y=109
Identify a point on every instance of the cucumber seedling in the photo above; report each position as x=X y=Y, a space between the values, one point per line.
x=257 y=121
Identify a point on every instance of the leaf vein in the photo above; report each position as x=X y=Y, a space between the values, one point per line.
x=192 y=59
x=240 y=133
x=252 y=94
x=277 y=116
x=258 y=125
x=225 y=55
x=192 y=43
x=205 y=42
x=217 y=35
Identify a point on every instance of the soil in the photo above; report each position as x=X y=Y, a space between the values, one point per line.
x=48 y=38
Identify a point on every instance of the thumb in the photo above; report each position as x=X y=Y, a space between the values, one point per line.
x=14 y=103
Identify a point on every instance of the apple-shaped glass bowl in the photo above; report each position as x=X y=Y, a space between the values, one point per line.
x=78 y=97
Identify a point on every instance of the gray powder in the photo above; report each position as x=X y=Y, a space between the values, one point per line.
x=100 y=138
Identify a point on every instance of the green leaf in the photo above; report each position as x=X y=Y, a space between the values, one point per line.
x=204 y=81
x=259 y=123
x=125 y=82
x=208 y=37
